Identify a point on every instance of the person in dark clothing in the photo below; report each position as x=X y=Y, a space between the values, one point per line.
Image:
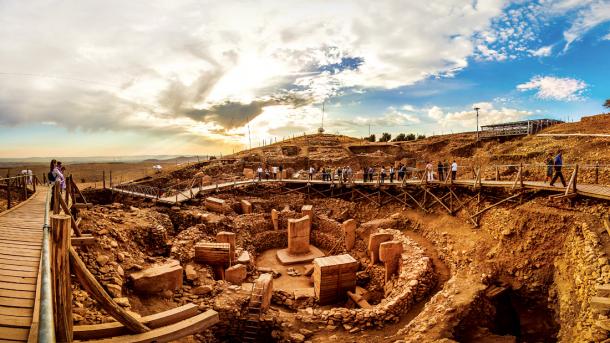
x=557 y=164
x=281 y=169
x=549 y=169
x=392 y=172
x=401 y=172
x=365 y=174
x=382 y=174
x=441 y=174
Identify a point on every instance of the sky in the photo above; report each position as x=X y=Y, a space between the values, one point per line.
x=110 y=78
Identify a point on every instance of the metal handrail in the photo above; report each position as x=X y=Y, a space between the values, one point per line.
x=46 y=327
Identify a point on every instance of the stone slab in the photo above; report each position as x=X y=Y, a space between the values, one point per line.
x=304 y=293
x=275 y=219
x=236 y=274
x=374 y=241
x=298 y=235
x=158 y=278
x=349 y=231
x=286 y=258
x=215 y=205
x=246 y=206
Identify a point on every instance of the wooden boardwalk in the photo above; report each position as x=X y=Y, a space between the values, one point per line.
x=20 y=247
x=587 y=190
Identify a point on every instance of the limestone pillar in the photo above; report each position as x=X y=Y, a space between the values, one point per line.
x=349 y=232
x=298 y=235
x=227 y=237
x=374 y=241
x=390 y=253
x=275 y=219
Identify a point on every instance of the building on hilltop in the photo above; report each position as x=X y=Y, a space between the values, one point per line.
x=516 y=128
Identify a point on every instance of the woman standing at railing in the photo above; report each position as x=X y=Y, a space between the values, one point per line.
x=58 y=173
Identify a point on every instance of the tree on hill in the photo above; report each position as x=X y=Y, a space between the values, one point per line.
x=371 y=138
x=421 y=136
x=385 y=137
x=400 y=137
x=607 y=103
x=410 y=137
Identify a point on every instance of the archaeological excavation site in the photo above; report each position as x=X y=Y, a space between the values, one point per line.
x=215 y=252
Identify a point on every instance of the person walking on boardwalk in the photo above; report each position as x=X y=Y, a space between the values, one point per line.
x=259 y=172
x=401 y=172
x=557 y=164
x=50 y=174
x=429 y=172
x=454 y=167
x=267 y=174
x=281 y=170
x=58 y=172
x=446 y=168
x=274 y=172
x=441 y=172
x=549 y=169
x=382 y=174
x=392 y=172
x=365 y=174
x=311 y=171
x=371 y=174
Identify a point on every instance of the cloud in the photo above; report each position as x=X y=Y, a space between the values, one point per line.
x=543 y=51
x=606 y=37
x=587 y=18
x=555 y=88
x=466 y=119
x=206 y=69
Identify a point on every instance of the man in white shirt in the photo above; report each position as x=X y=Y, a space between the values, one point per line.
x=453 y=170
x=311 y=170
x=274 y=172
x=259 y=171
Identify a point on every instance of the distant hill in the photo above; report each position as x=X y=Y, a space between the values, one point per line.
x=7 y=162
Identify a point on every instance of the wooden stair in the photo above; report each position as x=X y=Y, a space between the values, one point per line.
x=251 y=326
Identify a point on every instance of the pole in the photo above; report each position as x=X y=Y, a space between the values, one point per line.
x=477 y=109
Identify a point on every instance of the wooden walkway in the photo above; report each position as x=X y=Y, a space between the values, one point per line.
x=587 y=190
x=20 y=246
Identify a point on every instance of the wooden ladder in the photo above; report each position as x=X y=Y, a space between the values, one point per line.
x=252 y=326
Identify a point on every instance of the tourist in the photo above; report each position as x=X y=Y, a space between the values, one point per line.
x=453 y=170
x=429 y=172
x=441 y=172
x=50 y=175
x=382 y=174
x=281 y=170
x=349 y=173
x=311 y=171
x=401 y=172
x=259 y=172
x=446 y=168
x=340 y=174
x=58 y=173
x=371 y=174
x=267 y=174
x=365 y=174
x=557 y=164
x=392 y=172
x=549 y=169
x=274 y=172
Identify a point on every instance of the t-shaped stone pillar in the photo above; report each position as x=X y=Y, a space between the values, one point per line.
x=227 y=237
x=390 y=253
x=299 y=250
x=349 y=231
x=374 y=241
x=298 y=235
x=307 y=210
x=275 y=219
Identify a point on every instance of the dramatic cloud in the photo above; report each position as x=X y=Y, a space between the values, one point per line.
x=466 y=120
x=590 y=15
x=543 y=51
x=555 y=88
x=207 y=68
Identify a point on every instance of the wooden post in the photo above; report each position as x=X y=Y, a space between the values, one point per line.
x=60 y=269
x=103 y=179
x=497 y=174
x=521 y=175
x=597 y=172
x=44 y=177
x=8 y=191
x=111 y=179
x=25 y=187
x=56 y=198
x=68 y=191
x=95 y=290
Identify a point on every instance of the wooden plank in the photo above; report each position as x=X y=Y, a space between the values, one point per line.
x=603 y=290
x=8 y=266
x=19 y=252
x=33 y=335
x=171 y=332
x=60 y=273
x=20 y=243
x=154 y=321
x=12 y=321
x=19 y=273
x=16 y=311
x=17 y=286
x=83 y=240
x=9 y=246
x=95 y=290
x=19 y=258
x=14 y=302
x=19 y=279
x=6 y=293
x=600 y=303
x=15 y=334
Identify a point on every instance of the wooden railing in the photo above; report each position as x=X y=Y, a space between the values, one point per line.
x=19 y=187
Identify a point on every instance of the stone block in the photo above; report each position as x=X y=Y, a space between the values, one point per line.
x=244 y=257
x=236 y=274
x=264 y=285
x=374 y=241
x=333 y=276
x=246 y=206
x=275 y=219
x=215 y=205
x=227 y=237
x=158 y=278
x=190 y=272
x=213 y=253
x=307 y=210
x=349 y=232
x=304 y=293
x=390 y=253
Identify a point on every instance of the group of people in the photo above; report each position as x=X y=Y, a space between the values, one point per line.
x=369 y=173
x=267 y=174
x=342 y=174
x=443 y=170
x=555 y=164
x=56 y=174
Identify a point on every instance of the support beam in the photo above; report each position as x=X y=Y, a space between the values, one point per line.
x=60 y=272
x=438 y=200
x=95 y=290
x=496 y=204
